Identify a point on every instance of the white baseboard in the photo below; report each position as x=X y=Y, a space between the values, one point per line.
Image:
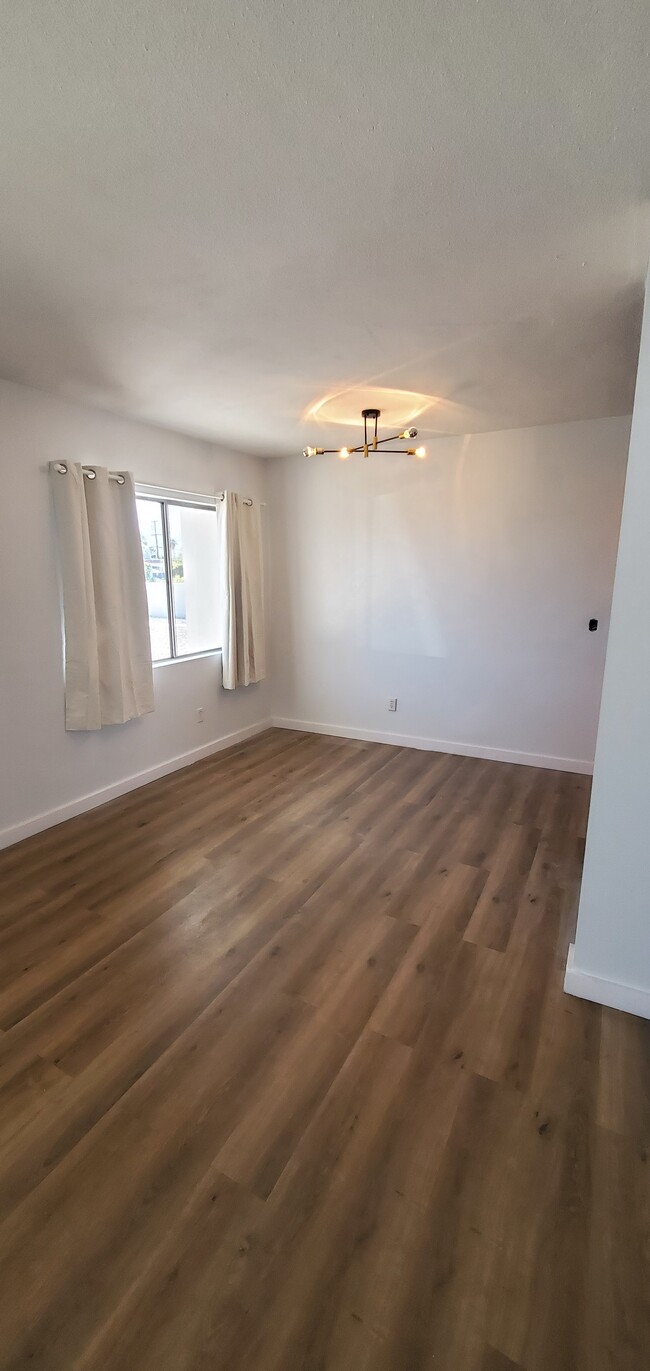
x=50 y=817
x=632 y=999
x=16 y=832
x=492 y=754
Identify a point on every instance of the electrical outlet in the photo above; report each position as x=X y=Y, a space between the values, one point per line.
x=392 y=706
x=199 y=715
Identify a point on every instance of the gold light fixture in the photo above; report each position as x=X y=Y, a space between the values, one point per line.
x=371 y=443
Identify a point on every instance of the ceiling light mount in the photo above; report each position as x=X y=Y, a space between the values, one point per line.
x=371 y=442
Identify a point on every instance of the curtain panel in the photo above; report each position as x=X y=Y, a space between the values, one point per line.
x=242 y=583
x=108 y=672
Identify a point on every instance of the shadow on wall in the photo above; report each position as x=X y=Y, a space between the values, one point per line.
x=407 y=566
x=281 y=645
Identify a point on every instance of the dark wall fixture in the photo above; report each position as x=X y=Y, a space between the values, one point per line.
x=593 y=625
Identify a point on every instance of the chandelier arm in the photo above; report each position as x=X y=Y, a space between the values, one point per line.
x=334 y=451
x=392 y=438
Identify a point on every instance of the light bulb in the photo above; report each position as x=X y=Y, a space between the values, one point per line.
x=344 y=452
x=409 y=433
x=420 y=452
x=309 y=452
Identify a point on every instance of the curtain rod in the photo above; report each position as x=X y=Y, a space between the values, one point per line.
x=119 y=477
x=90 y=473
x=245 y=499
x=167 y=492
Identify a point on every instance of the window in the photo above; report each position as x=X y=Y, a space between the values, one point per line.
x=179 y=547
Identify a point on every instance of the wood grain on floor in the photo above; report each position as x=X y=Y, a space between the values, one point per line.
x=288 y=1080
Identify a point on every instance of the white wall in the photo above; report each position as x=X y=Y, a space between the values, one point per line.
x=462 y=584
x=43 y=768
x=611 y=959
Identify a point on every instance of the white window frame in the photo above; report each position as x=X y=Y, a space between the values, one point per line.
x=161 y=496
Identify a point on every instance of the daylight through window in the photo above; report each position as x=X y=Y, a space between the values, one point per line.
x=179 y=548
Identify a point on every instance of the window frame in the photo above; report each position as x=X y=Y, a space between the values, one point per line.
x=158 y=496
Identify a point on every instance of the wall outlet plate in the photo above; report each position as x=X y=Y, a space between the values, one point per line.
x=392 y=705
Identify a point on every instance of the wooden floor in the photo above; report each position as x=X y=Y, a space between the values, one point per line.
x=288 y=1081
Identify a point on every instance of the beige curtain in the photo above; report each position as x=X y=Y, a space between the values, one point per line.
x=108 y=675
x=242 y=582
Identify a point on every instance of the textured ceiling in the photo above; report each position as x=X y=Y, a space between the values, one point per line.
x=215 y=214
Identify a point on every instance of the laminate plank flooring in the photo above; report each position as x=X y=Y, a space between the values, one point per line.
x=288 y=1080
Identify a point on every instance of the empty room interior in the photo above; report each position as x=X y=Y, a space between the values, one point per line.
x=325 y=681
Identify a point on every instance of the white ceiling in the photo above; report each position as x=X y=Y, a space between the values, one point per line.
x=215 y=214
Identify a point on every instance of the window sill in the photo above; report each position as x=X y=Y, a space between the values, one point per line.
x=188 y=657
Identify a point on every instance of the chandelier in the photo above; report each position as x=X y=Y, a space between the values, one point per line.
x=371 y=443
